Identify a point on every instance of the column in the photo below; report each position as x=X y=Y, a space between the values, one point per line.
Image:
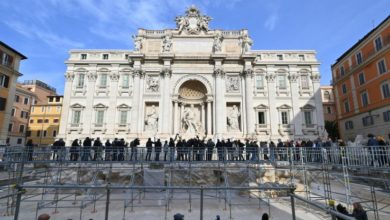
x=167 y=104
x=295 y=103
x=209 y=123
x=135 y=116
x=65 y=112
x=220 y=103
x=318 y=101
x=273 y=113
x=87 y=118
x=141 y=104
x=175 y=116
x=111 y=114
x=203 y=116
x=250 y=117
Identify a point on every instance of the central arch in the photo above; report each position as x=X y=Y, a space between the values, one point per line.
x=206 y=83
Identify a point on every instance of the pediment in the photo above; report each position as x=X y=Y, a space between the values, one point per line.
x=284 y=107
x=76 y=105
x=308 y=106
x=100 y=105
x=261 y=106
x=123 y=106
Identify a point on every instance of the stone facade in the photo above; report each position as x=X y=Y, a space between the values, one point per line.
x=192 y=81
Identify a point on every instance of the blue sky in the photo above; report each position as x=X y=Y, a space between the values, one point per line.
x=45 y=30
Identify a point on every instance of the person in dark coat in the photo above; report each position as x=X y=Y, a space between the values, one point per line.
x=171 y=149
x=219 y=149
x=121 y=149
x=97 y=149
x=157 y=150
x=149 y=149
x=166 y=150
x=86 y=149
x=340 y=208
x=114 y=149
x=74 y=150
x=134 y=149
x=108 y=150
x=265 y=216
x=55 y=148
x=178 y=216
x=210 y=148
x=358 y=212
x=30 y=150
x=241 y=150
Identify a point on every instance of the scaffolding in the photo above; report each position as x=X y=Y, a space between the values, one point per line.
x=51 y=181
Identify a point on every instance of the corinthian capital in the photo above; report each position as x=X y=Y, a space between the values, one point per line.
x=139 y=73
x=315 y=77
x=114 y=76
x=92 y=76
x=69 y=76
x=219 y=72
x=248 y=72
x=166 y=72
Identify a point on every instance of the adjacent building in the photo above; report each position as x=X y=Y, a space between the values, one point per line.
x=9 y=72
x=20 y=114
x=328 y=103
x=44 y=121
x=361 y=80
x=192 y=81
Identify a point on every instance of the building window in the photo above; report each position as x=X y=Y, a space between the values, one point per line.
x=28 y=133
x=83 y=56
x=346 y=106
x=284 y=116
x=103 y=80
x=261 y=118
x=55 y=120
x=280 y=56
x=342 y=72
x=378 y=43
x=19 y=141
x=259 y=82
x=48 y=109
x=125 y=81
x=344 y=88
x=44 y=133
x=301 y=57
x=32 y=109
x=80 y=82
x=17 y=98
x=7 y=60
x=386 y=116
x=21 y=128
x=327 y=95
x=123 y=117
x=305 y=81
x=105 y=56
x=359 y=58
x=58 y=109
x=385 y=90
x=31 y=121
x=54 y=133
x=308 y=118
x=46 y=120
x=362 y=79
x=38 y=133
x=39 y=121
x=99 y=117
x=10 y=127
x=3 y=101
x=43 y=109
x=368 y=120
x=26 y=101
x=76 y=117
x=364 y=96
x=13 y=112
x=381 y=67
x=348 y=125
x=329 y=110
x=4 y=80
x=282 y=81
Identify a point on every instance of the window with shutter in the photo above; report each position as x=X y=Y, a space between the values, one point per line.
x=3 y=102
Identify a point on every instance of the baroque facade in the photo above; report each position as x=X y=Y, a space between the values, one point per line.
x=192 y=81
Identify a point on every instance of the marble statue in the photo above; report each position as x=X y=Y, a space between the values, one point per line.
x=151 y=119
x=234 y=114
x=232 y=84
x=217 y=46
x=246 y=43
x=189 y=122
x=193 y=22
x=137 y=43
x=167 y=44
x=152 y=84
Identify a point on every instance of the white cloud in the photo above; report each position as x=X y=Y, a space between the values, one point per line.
x=34 y=32
x=271 y=21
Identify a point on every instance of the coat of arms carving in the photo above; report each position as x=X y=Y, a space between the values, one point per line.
x=193 y=22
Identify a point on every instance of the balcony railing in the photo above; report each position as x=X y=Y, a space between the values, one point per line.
x=263 y=128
